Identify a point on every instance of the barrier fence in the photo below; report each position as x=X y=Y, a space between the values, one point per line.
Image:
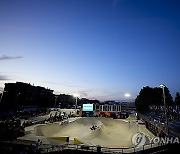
x=48 y=148
x=97 y=148
x=171 y=132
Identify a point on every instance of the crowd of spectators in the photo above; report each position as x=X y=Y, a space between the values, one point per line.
x=11 y=129
x=157 y=113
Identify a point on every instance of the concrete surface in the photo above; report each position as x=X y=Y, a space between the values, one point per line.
x=110 y=132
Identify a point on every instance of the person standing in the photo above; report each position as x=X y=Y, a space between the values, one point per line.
x=38 y=144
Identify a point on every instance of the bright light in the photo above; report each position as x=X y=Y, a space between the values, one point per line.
x=162 y=86
x=127 y=95
x=76 y=95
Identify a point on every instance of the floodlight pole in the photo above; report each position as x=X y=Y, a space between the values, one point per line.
x=55 y=101
x=17 y=95
x=76 y=105
x=1 y=97
x=165 y=108
x=76 y=96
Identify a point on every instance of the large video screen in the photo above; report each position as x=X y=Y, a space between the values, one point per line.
x=87 y=107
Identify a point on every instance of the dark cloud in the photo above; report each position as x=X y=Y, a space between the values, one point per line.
x=5 y=57
x=3 y=77
x=83 y=93
x=63 y=84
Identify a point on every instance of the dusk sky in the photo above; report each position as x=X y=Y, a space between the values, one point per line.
x=100 y=49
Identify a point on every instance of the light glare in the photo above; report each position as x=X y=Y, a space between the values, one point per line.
x=76 y=95
x=127 y=95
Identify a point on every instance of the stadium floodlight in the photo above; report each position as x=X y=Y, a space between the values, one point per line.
x=162 y=86
x=127 y=95
x=165 y=108
x=76 y=95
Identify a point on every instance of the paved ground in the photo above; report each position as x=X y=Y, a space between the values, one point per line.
x=110 y=132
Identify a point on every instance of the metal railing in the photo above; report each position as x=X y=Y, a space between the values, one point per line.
x=47 y=148
x=83 y=147
x=171 y=132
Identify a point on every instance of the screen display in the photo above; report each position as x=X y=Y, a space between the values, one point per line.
x=87 y=107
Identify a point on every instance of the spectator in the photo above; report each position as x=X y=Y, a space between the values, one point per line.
x=38 y=144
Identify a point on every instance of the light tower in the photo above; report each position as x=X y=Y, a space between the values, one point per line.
x=165 y=108
x=76 y=96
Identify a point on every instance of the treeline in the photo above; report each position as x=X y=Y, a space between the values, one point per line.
x=154 y=96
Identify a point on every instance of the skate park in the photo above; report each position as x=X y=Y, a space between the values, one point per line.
x=107 y=132
x=88 y=129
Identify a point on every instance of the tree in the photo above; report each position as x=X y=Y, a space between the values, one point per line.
x=151 y=96
x=177 y=99
x=143 y=100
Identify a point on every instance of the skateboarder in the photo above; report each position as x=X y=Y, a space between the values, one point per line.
x=93 y=127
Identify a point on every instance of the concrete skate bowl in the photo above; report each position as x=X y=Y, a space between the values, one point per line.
x=109 y=132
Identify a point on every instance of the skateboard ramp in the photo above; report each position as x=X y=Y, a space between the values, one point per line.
x=108 y=132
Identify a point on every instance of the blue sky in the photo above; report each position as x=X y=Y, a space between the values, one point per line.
x=100 y=49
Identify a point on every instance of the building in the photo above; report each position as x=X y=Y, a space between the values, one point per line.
x=116 y=110
x=20 y=94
